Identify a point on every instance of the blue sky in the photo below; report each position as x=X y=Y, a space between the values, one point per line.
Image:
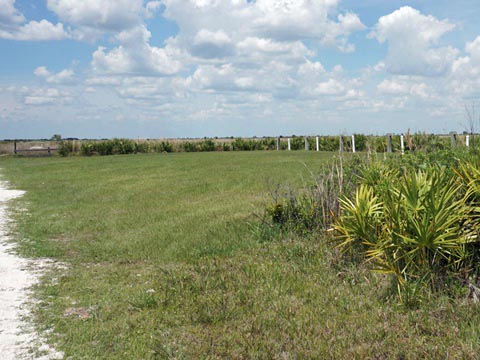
x=194 y=68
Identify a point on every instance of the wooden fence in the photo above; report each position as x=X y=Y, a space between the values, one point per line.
x=35 y=148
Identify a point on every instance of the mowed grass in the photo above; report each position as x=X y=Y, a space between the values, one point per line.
x=171 y=207
x=162 y=262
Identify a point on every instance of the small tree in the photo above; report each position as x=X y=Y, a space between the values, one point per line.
x=56 y=137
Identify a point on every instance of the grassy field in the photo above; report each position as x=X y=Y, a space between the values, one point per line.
x=163 y=263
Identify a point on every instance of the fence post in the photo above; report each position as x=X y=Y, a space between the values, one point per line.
x=453 y=139
x=389 y=143
x=307 y=145
x=341 y=143
x=278 y=143
x=15 y=147
x=467 y=140
x=49 y=151
x=353 y=143
x=289 y=145
x=317 y=143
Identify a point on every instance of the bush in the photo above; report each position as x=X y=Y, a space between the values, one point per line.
x=414 y=217
x=87 y=149
x=207 y=145
x=189 y=147
x=226 y=147
x=297 y=143
x=108 y=147
x=416 y=225
x=360 y=142
x=65 y=148
x=122 y=146
x=163 y=146
x=142 y=147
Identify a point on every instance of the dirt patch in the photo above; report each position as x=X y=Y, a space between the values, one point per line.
x=78 y=312
x=18 y=339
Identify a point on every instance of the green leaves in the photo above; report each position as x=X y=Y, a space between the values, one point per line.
x=360 y=217
x=414 y=228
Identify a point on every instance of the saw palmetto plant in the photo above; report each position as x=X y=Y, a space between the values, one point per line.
x=414 y=229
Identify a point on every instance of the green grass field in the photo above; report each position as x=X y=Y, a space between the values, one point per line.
x=162 y=262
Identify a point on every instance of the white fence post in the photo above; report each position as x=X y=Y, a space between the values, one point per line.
x=289 y=145
x=402 y=144
x=318 y=145
x=353 y=143
x=467 y=140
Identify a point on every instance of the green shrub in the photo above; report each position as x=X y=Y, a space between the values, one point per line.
x=360 y=142
x=163 y=146
x=87 y=149
x=415 y=217
x=409 y=225
x=122 y=146
x=108 y=147
x=297 y=143
x=240 y=144
x=142 y=147
x=268 y=144
x=189 y=147
x=227 y=147
x=207 y=145
x=65 y=148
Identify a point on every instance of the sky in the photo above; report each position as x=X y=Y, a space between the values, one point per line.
x=196 y=68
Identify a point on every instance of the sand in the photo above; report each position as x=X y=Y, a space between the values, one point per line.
x=18 y=339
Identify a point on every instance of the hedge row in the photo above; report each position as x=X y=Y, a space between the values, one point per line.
x=425 y=142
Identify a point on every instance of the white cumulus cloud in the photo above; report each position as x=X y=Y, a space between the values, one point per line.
x=277 y=20
x=330 y=87
x=66 y=76
x=304 y=19
x=135 y=55
x=9 y=15
x=473 y=48
x=47 y=96
x=13 y=26
x=212 y=44
x=465 y=76
x=103 y=15
x=413 y=42
x=404 y=86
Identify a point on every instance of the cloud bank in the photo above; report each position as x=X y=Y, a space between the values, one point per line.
x=236 y=65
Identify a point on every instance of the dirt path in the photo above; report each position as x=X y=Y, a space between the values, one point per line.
x=17 y=275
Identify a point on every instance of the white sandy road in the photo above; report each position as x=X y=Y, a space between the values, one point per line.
x=17 y=275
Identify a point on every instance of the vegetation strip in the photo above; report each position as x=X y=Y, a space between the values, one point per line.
x=357 y=142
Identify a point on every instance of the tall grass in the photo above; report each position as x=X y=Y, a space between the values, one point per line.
x=315 y=206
